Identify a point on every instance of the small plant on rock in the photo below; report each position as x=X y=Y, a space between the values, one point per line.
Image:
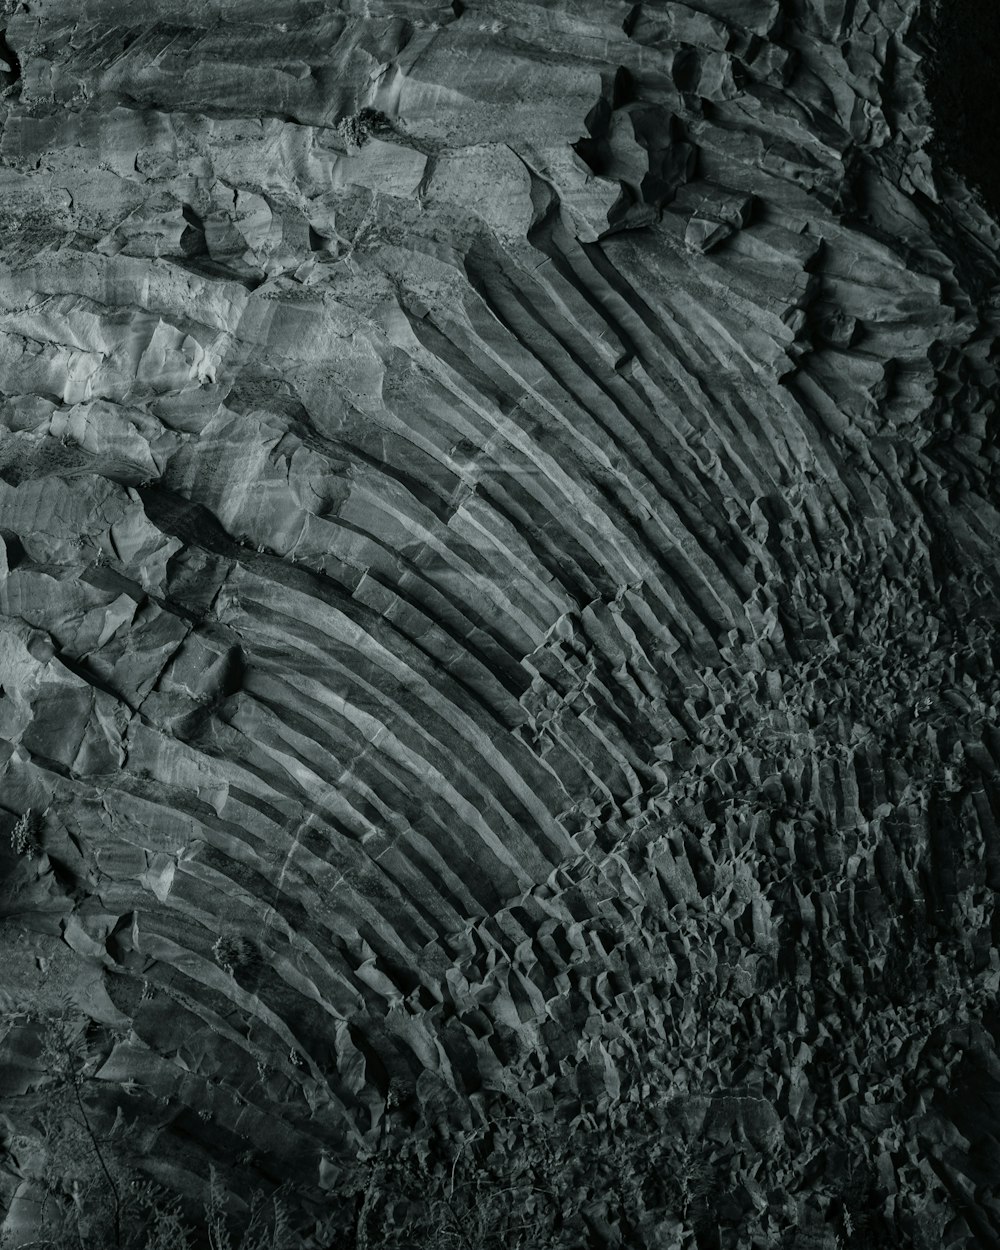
x=359 y=127
x=234 y=954
x=22 y=836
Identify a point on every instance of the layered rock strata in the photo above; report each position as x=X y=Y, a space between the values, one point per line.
x=499 y=598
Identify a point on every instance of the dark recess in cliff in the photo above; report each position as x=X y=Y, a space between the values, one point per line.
x=962 y=73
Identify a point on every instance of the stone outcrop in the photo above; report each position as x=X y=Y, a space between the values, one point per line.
x=499 y=600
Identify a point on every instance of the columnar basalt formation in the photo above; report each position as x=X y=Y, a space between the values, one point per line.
x=499 y=607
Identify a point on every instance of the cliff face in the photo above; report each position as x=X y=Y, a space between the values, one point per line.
x=499 y=616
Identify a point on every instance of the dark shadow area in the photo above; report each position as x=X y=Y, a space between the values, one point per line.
x=962 y=75
x=193 y=237
x=10 y=72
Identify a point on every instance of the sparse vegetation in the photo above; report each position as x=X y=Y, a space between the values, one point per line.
x=90 y=1195
x=360 y=126
x=22 y=836
x=235 y=954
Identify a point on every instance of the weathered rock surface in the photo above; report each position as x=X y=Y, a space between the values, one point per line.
x=499 y=602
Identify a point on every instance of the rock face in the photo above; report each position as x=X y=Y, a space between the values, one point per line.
x=499 y=623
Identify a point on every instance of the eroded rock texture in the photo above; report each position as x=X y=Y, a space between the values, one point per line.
x=499 y=619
